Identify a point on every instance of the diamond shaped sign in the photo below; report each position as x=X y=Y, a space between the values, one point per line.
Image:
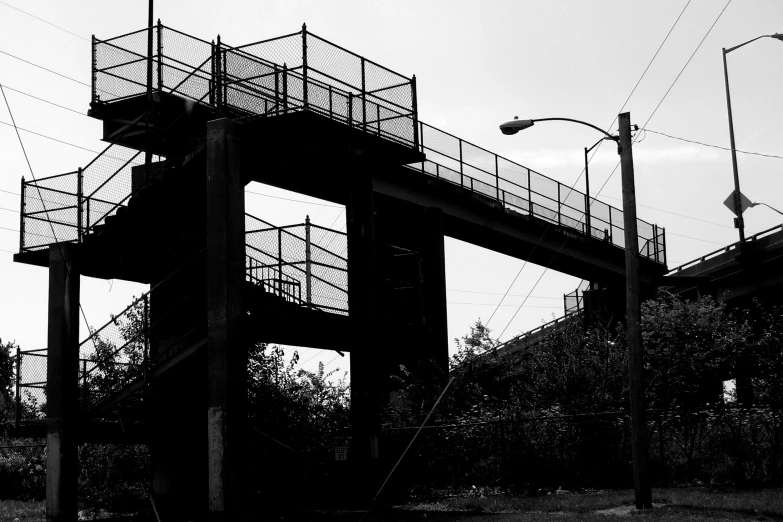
x=745 y=203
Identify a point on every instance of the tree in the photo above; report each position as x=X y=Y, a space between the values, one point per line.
x=7 y=373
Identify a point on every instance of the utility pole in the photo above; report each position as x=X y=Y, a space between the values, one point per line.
x=639 y=449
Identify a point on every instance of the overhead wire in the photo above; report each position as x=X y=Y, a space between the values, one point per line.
x=45 y=21
x=644 y=73
x=636 y=137
x=713 y=146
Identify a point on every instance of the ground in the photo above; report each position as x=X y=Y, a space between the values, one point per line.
x=685 y=504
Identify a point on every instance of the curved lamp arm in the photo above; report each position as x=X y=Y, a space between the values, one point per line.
x=769 y=207
x=515 y=125
x=777 y=36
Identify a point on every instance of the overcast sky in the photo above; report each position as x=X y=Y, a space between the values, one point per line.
x=477 y=64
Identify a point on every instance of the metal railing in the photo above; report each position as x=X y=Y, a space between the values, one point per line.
x=525 y=191
x=574 y=301
x=298 y=71
x=290 y=260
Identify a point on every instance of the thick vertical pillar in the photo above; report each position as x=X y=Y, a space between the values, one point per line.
x=434 y=289
x=366 y=343
x=226 y=351
x=62 y=405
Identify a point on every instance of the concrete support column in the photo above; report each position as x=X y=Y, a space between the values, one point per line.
x=434 y=289
x=366 y=341
x=62 y=404
x=226 y=351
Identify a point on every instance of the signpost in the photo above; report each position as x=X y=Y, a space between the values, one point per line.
x=731 y=203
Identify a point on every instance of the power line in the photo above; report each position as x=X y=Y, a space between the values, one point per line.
x=45 y=21
x=45 y=69
x=644 y=127
x=714 y=146
x=635 y=138
x=50 y=138
x=294 y=200
x=45 y=101
x=673 y=213
x=594 y=153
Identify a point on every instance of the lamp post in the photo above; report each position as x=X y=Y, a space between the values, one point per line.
x=738 y=222
x=768 y=206
x=641 y=474
x=587 y=185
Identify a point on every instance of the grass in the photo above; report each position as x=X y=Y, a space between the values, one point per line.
x=24 y=511
x=687 y=504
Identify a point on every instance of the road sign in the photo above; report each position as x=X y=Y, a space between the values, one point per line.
x=745 y=203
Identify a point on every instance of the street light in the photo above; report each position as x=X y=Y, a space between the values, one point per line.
x=739 y=223
x=768 y=206
x=641 y=475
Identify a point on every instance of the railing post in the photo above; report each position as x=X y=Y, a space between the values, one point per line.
x=587 y=216
x=559 y=204
x=87 y=220
x=415 y=107
x=378 y=118
x=94 y=81
x=350 y=109
x=84 y=386
x=160 y=56
x=218 y=78
x=21 y=216
x=149 y=61
x=79 y=204
x=146 y=332
x=18 y=397
x=655 y=242
x=304 y=64
x=497 y=179
x=364 y=98
x=663 y=229
x=611 y=228
x=461 y=181
x=331 y=110
x=285 y=88
x=308 y=267
x=280 y=261
x=213 y=74
x=529 y=193
x=277 y=89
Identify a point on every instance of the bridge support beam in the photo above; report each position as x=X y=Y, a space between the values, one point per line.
x=62 y=406
x=226 y=350
x=367 y=346
x=434 y=290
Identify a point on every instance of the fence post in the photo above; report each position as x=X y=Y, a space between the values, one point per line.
x=497 y=179
x=84 y=386
x=146 y=332
x=415 y=107
x=655 y=242
x=212 y=76
x=587 y=216
x=218 y=79
x=364 y=98
x=350 y=109
x=149 y=60
x=280 y=261
x=277 y=89
x=160 y=56
x=611 y=228
x=461 y=174
x=664 y=246
x=559 y=204
x=94 y=75
x=304 y=64
x=18 y=398
x=79 y=204
x=308 y=267
x=21 y=217
x=529 y=193
x=331 y=110
x=285 y=87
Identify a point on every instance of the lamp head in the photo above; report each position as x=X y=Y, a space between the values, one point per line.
x=777 y=36
x=512 y=127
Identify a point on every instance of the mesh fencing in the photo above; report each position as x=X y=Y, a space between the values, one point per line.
x=31 y=377
x=50 y=210
x=528 y=192
x=299 y=263
x=120 y=66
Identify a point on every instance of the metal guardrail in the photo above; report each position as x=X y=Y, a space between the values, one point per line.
x=295 y=72
x=523 y=190
x=728 y=248
x=298 y=71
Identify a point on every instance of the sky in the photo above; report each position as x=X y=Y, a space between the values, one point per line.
x=477 y=64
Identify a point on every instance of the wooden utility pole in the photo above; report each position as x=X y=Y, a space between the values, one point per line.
x=641 y=472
